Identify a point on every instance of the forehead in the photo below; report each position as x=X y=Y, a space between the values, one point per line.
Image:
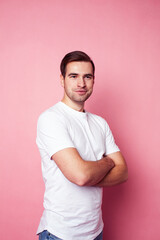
x=79 y=67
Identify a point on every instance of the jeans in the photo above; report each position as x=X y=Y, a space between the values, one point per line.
x=45 y=235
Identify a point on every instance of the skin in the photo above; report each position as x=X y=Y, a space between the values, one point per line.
x=78 y=84
x=110 y=170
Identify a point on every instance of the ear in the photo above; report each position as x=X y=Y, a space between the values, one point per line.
x=93 y=80
x=62 y=80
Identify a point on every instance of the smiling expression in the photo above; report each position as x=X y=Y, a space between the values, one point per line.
x=78 y=82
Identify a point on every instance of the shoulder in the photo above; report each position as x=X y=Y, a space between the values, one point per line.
x=100 y=122
x=51 y=116
x=97 y=118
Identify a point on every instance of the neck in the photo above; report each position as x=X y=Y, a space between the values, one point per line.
x=78 y=106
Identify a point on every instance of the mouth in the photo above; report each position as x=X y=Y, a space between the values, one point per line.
x=81 y=92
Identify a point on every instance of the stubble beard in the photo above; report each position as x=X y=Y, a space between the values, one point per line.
x=77 y=98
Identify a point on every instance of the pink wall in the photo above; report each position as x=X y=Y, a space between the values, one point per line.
x=123 y=38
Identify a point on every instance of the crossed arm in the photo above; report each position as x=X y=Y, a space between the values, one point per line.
x=108 y=171
x=118 y=174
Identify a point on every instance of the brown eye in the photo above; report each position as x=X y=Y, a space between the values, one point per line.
x=73 y=76
x=88 y=77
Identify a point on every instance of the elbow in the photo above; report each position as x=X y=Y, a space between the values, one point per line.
x=81 y=183
x=83 y=180
x=80 y=178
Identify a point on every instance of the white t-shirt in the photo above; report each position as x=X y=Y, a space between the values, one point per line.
x=71 y=212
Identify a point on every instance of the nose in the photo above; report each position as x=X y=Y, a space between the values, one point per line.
x=81 y=82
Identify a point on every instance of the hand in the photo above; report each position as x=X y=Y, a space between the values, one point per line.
x=110 y=162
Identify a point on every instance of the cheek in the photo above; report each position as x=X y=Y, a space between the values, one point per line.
x=69 y=84
x=90 y=85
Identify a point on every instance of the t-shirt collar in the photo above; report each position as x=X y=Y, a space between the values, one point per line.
x=73 y=111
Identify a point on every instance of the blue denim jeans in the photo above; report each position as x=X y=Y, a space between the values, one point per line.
x=45 y=235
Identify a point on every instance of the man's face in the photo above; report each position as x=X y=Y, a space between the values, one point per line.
x=78 y=82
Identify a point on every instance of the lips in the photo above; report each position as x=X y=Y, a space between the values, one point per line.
x=81 y=91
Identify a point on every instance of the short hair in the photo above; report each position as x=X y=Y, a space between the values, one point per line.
x=75 y=56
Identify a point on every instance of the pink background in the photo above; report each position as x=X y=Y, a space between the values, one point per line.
x=123 y=38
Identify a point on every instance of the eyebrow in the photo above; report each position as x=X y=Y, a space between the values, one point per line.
x=76 y=74
x=70 y=74
x=88 y=74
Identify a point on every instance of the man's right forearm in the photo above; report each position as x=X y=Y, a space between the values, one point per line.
x=95 y=171
x=80 y=171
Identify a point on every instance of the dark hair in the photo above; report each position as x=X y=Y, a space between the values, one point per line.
x=75 y=56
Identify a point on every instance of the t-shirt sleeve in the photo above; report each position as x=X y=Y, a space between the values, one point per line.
x=52 y=134
x=111 y=146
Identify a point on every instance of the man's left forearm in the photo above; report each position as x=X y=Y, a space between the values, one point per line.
x=117 y=175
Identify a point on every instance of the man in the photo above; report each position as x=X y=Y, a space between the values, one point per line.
x=79 y=157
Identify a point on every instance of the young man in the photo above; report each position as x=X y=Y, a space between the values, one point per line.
x=79 y=157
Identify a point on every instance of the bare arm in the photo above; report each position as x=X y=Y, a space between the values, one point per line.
x=79 y=171
x=118 y=174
